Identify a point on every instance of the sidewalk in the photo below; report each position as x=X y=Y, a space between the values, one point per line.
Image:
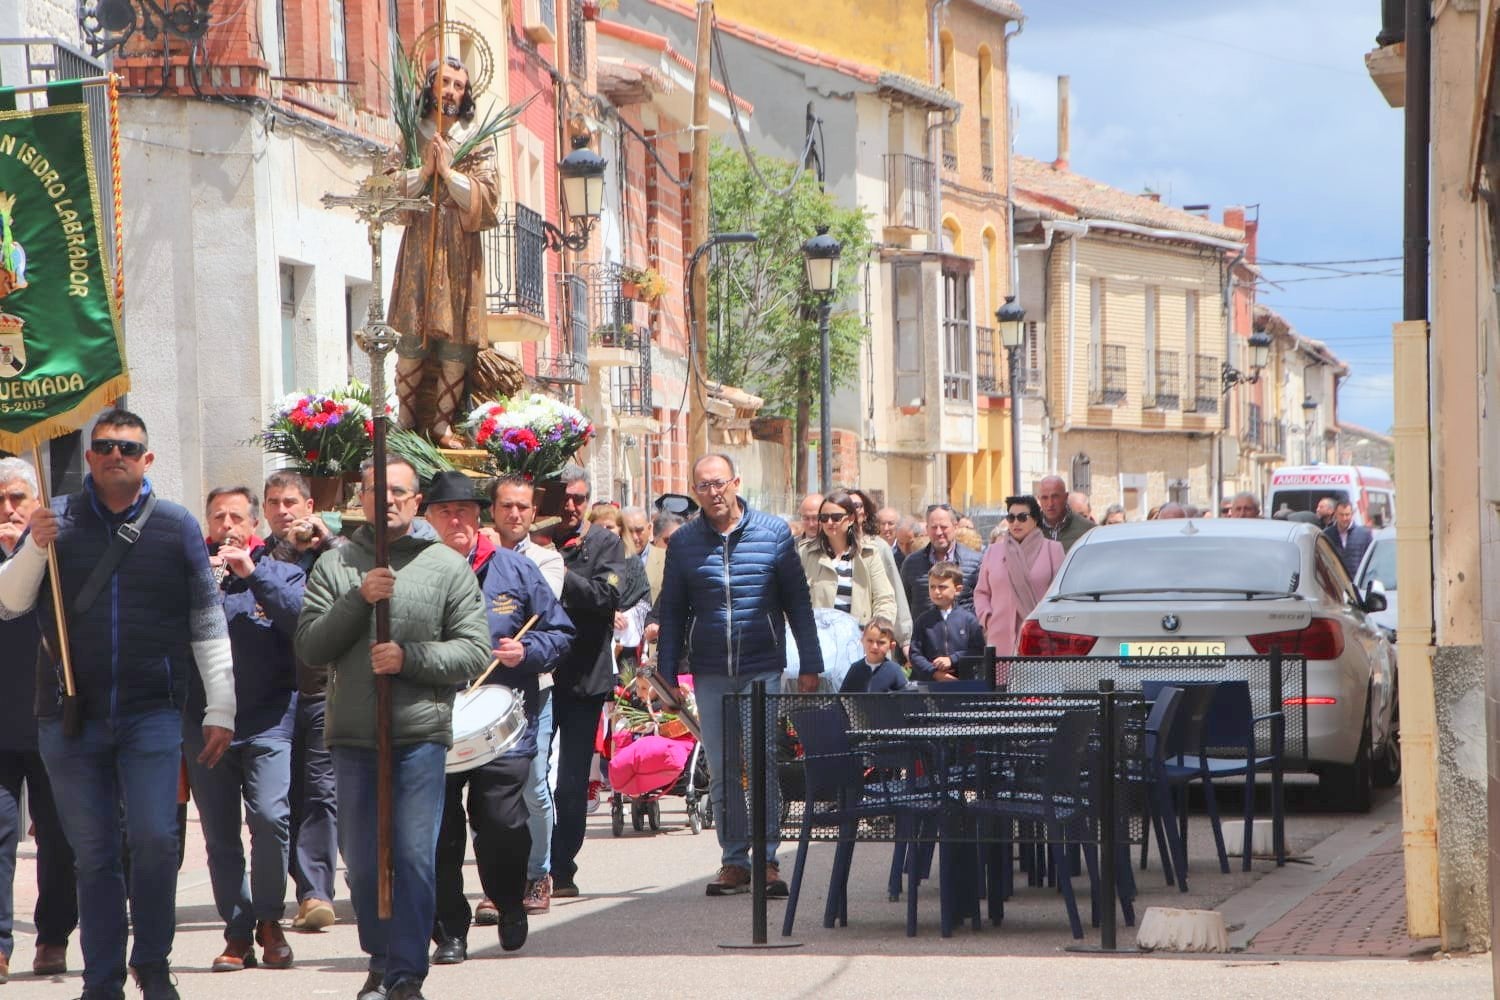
x=645 y=927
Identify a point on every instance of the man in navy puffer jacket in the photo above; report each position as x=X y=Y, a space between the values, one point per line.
x=731 y=585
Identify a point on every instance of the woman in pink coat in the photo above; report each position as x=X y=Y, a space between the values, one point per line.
x=1015 y=573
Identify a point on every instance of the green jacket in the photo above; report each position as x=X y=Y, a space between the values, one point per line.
x=437 y=615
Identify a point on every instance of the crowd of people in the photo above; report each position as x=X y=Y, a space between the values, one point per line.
x=244 y=669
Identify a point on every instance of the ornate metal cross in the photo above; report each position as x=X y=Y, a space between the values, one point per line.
x=379 y=201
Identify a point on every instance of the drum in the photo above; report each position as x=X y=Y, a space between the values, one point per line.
x=487 y=721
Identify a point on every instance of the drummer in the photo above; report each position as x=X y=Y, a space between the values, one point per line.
x=514 y=592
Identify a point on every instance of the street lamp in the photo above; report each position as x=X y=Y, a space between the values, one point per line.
x=1012 y=321
x=583 y=189
x=1309 y=419
x=1260 y=353
x=821 y=255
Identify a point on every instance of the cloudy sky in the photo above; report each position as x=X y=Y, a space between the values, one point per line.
x=1262 y=103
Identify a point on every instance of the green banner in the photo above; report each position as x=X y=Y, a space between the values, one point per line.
x=61 y=355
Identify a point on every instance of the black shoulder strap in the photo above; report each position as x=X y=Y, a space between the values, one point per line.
x=125 y=536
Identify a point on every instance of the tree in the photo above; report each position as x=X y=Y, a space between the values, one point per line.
x=762 y=317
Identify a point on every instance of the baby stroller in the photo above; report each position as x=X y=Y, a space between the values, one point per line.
x=653 y=754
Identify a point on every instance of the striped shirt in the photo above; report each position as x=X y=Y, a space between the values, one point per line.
x=844 y=599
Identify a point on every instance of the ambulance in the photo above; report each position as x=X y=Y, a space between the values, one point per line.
x=1370 y=490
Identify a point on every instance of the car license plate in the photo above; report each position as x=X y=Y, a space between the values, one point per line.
x=1173 y=647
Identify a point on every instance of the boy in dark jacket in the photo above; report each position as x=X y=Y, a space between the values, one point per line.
x=877 y=672
x=944 y=631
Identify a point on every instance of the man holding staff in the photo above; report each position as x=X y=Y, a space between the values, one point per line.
x=130 y=682
x=530 y=632
x=439 y=640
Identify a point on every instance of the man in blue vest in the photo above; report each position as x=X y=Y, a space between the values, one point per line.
x=130 y=677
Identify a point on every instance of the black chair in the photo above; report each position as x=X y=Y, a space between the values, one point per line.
x=1232 y=724
x=1057 y=804
x=838 y=794
x=1166 y=709
x=1187 y=737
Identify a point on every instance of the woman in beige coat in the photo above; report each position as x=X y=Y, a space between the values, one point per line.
x=843 y=570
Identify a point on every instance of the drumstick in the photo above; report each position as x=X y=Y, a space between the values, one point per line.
x=496 y=661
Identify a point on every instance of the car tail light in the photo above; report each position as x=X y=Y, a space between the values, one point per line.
x=1037 y=641
x=1322 y=639
x=1310 y=700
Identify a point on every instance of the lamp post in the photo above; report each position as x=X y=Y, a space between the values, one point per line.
x=1260 y=354
x=582 y=173
x=821 y=255
x=1011 y=319
x=1309 y=420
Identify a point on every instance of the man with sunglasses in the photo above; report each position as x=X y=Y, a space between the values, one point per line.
x=130 y=678
x=585 y=677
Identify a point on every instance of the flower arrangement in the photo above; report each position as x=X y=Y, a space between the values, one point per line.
x=643 y=283
x=534 y=435
x=324 y=434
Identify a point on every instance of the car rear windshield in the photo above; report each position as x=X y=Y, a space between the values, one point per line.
x=1187 y=564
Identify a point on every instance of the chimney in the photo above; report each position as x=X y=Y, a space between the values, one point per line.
x=1061 y=163
x=1252 y=228
x=1152 y=195
x=1234 y=218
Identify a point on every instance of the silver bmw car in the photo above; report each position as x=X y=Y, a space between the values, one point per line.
x=1231 y=587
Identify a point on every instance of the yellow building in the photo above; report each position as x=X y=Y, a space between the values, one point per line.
x=1131 y=330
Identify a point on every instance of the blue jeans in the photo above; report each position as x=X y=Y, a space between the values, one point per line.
x=732 y=825
x=538 y=793
x=259 y=770
x=397 y=947
x=57 y=893
x=315 y=808
x=577 y=721
x=133 y=759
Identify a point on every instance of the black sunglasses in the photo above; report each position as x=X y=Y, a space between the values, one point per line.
x=106 y=446
x=1023 y=517
x=831 y=518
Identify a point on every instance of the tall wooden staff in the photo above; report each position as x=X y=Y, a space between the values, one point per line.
x=437 y=185
x=380 y=201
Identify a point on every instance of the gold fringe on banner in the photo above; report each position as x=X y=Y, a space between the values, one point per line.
x=75 y=419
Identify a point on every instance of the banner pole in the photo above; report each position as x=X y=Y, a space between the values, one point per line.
x=71 y=718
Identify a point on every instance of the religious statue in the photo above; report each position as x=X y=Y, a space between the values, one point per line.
x=437 y=295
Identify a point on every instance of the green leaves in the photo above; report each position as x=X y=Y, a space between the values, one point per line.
x=763 y=319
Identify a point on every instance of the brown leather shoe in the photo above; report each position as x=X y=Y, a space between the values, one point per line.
x=50 y=960
x=237 y=955
x=275 y=952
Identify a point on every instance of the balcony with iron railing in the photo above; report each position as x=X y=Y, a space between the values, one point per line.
x=578 y=41
x=630 y=391
x=1166 y=388
x=564 y=359
x=515 y=275
x=987 y=150
x=908 y=181
x=1107 y=375
x=989 y=379
x=1203 y=385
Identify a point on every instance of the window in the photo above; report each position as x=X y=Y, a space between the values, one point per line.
x=338 y=46
x=288 y=276
x=1151 y=342
x=1190 y=324
x=986 y=112
x=950 y=130
x=907 y=333
x=958 y=345
x=281 y=38
x=1096 y=333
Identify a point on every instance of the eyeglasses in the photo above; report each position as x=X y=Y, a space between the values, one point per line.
x=397 y=493
x=1023 y=517
x=107 y=446
x=576 y=499
x=831 y=518
x=713 y=485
